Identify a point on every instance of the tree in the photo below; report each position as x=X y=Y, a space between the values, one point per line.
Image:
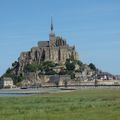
x=79 y=63
x=48 y=64
x=70 y=66
x=8 y=73
x=20 y=78
x=15 y=64
x=92 y=66
x=31 y=68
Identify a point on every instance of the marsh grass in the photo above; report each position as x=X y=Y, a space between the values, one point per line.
x=96 y=104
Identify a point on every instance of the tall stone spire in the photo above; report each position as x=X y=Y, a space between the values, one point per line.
x=52 y=25
x=52 y=37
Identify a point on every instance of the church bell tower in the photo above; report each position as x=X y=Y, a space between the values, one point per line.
x=52 y=38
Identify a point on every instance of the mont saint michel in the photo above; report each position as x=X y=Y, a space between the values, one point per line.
x=64 y=67
x=56 y=49
x=49 y=58
x=53 y=63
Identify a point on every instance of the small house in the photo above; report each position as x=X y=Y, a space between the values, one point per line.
x=6 y=82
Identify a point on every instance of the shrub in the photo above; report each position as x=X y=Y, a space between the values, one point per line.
x=92 y=66
x=70 y=66
x=31 y=68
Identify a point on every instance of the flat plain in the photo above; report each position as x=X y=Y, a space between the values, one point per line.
x=84 y=104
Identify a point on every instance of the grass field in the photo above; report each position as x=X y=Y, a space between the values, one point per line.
x=91 y=104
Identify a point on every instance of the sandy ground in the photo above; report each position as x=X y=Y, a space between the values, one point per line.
x=29 y=91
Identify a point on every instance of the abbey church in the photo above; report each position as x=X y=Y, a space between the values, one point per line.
x=55 y=49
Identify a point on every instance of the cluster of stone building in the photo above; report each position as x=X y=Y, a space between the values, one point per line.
x=55 y=49
x=55 y=80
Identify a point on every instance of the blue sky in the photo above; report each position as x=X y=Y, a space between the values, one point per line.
x=93 y=26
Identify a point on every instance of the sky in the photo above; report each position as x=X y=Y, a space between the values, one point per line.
x=93 y=26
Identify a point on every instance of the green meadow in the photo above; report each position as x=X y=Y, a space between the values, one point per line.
x=85 y=104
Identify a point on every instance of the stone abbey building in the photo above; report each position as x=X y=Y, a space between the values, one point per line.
x=55 y=49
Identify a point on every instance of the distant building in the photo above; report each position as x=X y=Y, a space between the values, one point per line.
x=6 y=82
x=108 y=82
